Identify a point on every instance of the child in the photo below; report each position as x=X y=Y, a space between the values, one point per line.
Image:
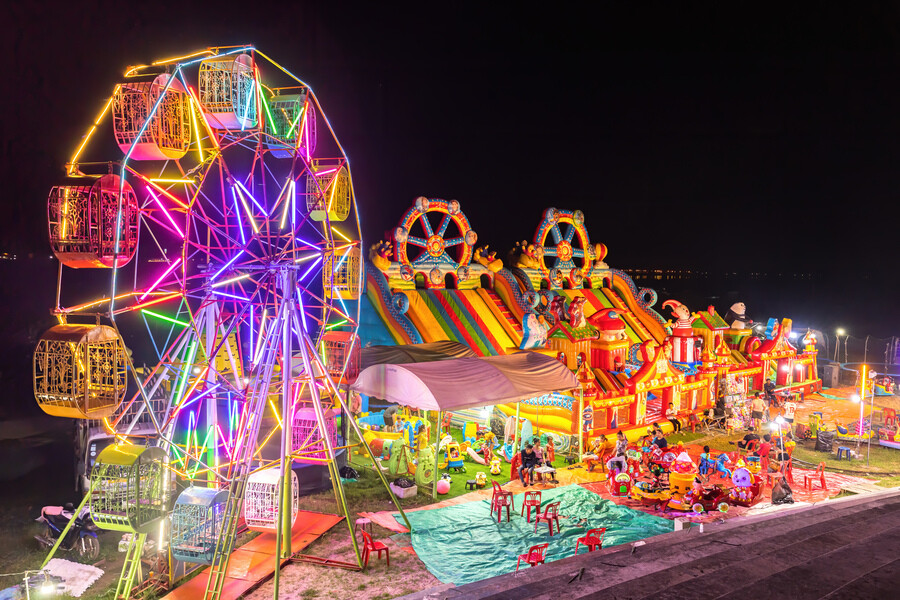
x=598 y=448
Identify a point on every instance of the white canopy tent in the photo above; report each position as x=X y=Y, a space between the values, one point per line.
x=462 y=383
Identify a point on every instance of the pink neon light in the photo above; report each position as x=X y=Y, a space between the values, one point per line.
x=320 y=173
x=163 y=276
x=165 y=212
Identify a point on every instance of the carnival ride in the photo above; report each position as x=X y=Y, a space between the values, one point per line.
x=228 y=229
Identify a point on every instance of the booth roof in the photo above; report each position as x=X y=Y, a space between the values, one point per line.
x=413 y=353
x=462 y=383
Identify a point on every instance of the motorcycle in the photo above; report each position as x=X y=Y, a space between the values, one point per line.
x=81 y=537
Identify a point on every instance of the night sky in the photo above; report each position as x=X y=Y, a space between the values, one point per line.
x=747 y=139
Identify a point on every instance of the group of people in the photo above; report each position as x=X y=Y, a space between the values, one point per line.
x=534 y=457
x=760 y=409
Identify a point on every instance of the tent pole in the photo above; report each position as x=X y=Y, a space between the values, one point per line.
x=516 y=430
x=580 y=422
x=437 y=447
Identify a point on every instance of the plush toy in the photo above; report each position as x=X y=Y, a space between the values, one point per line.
x=495 y=466
x=480 y=479
x=446 y=477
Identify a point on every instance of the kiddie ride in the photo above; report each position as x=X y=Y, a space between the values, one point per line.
x=685 y=492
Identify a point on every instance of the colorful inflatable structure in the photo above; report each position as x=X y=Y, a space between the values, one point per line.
x=557 y=296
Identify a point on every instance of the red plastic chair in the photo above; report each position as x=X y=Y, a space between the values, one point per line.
x=534 y=556
x=752 y=445
x=810 y=478
x=501 y=499
x=532 y=500
x=592 y=539
x=890 y=416
x=551 y=515
x=514 y=469
x=370 y=545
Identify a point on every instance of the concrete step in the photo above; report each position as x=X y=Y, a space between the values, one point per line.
x=775 y=548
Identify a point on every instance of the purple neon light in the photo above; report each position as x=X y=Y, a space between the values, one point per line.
x=314 y=263
x=226 y=265
x=237 y=214
x=258 y=205
x=158 y=281
x=220 y=293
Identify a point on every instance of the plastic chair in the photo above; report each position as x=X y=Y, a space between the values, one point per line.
x=694 y=422
x=501 y=499
x=890 y=416
x=752 y=446
x=810 y=478
x=370 y=545
x=532 y=500
x=592 y=539
x=551 y=515
x=534 y=556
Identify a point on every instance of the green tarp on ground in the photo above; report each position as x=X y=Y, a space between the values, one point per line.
x=460 y=544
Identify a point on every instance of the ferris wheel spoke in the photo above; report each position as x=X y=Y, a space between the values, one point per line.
x=442 y=228
x=550 y=251
x=416 y=241
x=570 y=232
x=578 y=253
x=426 y=224
x=557 y=235
x=453 y=242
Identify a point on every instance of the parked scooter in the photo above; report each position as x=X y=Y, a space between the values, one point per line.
x=81 y=537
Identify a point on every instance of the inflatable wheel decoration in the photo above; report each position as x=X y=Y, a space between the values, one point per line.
x=425 y=241
x=400 y=302
x=565 y=246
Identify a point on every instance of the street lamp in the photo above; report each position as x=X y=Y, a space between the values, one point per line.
x=837 y=342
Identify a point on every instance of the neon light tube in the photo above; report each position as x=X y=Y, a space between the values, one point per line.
x=258 y=205
x=221 y=293
x=226 y=265
x=163 y=276
x=73 y=161
x=315 y=262
x=165 y=212
x=237 y=215
x=333 y=230
x=247 y=209
x=165 y=318
x=232 y=280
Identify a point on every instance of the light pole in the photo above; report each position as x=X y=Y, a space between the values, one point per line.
x=837 y=342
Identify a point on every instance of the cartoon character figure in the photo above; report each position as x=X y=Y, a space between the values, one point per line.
x=721 y=468
x=706 y=465
x=737 y=316
x=380 y=255
x=495 y=466
x=685 y=319
x=611 y=327
x=480 y=479
x=576 y=312
x=557 y=308
x=488 y=259
x=534 y=333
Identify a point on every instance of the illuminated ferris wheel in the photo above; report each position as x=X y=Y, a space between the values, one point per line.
x=226 y=231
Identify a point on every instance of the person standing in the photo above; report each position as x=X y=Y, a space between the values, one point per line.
x=618 y=462
x=790 y=407
x=757 y=407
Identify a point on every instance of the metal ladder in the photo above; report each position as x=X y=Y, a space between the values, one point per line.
x=132 y=566
x=245 y=447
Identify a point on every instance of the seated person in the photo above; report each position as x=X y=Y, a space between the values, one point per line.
x=765 y=447
x=596 y=452
x=742 y=444
x=659 y=441
x=529 y=462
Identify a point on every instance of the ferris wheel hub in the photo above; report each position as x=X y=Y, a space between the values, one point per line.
x=436 y=246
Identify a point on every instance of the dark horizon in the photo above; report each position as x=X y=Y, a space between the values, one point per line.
x=717 y=140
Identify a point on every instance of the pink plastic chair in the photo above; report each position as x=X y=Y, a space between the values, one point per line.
x=501 y=499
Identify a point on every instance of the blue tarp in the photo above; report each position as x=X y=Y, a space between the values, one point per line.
x=460 y=544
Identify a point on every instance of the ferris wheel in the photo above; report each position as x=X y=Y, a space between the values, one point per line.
x=563 y=247
x=433 y=237
x=228 y=230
